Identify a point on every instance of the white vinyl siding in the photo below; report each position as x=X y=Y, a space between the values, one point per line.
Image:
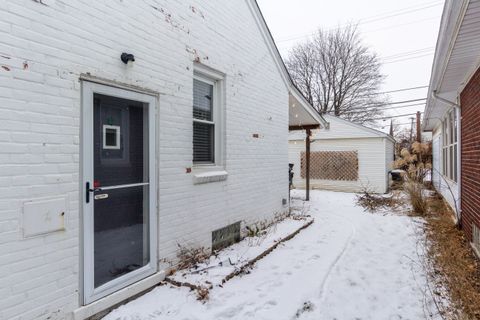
x=375 y=154
x=372 y=164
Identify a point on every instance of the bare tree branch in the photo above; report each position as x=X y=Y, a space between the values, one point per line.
x=339 y=75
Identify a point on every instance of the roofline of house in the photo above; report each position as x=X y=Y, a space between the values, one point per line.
x=445 y=42
x=281 y=64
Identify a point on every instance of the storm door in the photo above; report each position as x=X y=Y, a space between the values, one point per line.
x=119 y=189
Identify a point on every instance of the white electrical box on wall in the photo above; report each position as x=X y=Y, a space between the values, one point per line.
x=43 y=216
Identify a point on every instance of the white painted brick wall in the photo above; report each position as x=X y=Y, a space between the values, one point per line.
x=43 y=51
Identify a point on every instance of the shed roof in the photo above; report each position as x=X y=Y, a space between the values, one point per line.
x=342 y=129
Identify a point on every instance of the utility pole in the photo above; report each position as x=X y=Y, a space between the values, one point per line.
x=411 y=131
x=307 y=160
x=419 y=131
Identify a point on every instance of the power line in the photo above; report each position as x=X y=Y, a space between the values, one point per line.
x=362 y=110
x=402 y=13
x=401 y=25
x=404 y=101
x=397 y=116
x=379 y=107
x=370 y=20
x=400 y=60
x=363 y=32
x=401 y=90
x=408 y=53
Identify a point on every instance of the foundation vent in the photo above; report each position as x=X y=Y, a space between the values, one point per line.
x=226 y=236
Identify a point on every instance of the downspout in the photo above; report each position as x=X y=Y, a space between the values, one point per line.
x=459 y=149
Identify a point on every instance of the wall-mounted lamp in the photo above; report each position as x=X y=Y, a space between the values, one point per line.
x=127 y=57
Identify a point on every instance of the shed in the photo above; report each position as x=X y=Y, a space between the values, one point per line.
x=349 y=157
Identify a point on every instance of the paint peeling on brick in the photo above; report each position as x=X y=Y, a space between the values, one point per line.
x=5 y=68
x=25 y=65
x=5 y=57
x=197 y=56
x=40 y=1
x=197 y=11
x=170 y=20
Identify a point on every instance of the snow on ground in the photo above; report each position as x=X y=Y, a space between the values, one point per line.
x=212 y=272
x=349 y=264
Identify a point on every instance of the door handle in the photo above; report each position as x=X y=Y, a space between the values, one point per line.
x=88 y=190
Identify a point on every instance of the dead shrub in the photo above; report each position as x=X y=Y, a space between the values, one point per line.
x=191 y=257
x=372 y=202
x=416 y=167
x=203 y=294
x=415 y=191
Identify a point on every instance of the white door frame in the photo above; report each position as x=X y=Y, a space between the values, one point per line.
x=90 y=293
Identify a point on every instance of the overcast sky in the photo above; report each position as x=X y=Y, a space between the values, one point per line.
x=403 y=33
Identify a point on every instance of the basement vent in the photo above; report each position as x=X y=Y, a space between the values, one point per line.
x=476 y=239
x=226 y=236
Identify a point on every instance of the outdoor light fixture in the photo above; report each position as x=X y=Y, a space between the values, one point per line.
x=127 y=57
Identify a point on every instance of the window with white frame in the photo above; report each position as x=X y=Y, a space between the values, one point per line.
x=449 y=151
x=206 y=120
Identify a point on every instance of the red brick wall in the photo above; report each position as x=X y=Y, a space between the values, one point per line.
x=470 y=127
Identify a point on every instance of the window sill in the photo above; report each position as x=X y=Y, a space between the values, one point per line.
x=210 y=175
x=449 y=181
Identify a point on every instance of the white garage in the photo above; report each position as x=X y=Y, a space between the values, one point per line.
x=348 y=157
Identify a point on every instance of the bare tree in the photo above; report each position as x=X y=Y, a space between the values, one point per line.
x=338 y=75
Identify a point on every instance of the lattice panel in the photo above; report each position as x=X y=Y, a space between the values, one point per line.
x=332 y=165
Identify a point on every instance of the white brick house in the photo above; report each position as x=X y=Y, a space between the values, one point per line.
x=99 y=158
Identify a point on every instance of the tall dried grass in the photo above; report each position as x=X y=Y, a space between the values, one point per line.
x=416 y=167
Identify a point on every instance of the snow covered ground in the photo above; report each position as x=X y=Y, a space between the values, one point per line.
x=349 y=264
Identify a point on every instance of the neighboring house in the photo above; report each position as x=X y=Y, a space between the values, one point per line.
x=453 y=113
x=348 y=157
x=108 y=164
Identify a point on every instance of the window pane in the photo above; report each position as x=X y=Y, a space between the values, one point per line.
x=455 y=124
x=203 y=142
x=451 y=162
x=444 y=171
x=124 y=147
x=202 y=100
x=455 y=173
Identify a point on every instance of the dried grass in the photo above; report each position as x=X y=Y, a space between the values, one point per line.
x=417 y=197
x=453 y=261
x=191 y=257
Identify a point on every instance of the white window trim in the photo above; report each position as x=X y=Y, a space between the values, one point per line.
x=449 y=156
x=89 y=293
x=217 y=80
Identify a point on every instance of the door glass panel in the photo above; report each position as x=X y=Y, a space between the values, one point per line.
x=121 y=205
x=121 y=141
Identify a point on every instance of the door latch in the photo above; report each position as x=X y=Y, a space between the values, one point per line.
x=88 y=191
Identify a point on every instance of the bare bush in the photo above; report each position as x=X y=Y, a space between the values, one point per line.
x=415 y=191
x=416 y=166
x=372 y=202
x=191 y=257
